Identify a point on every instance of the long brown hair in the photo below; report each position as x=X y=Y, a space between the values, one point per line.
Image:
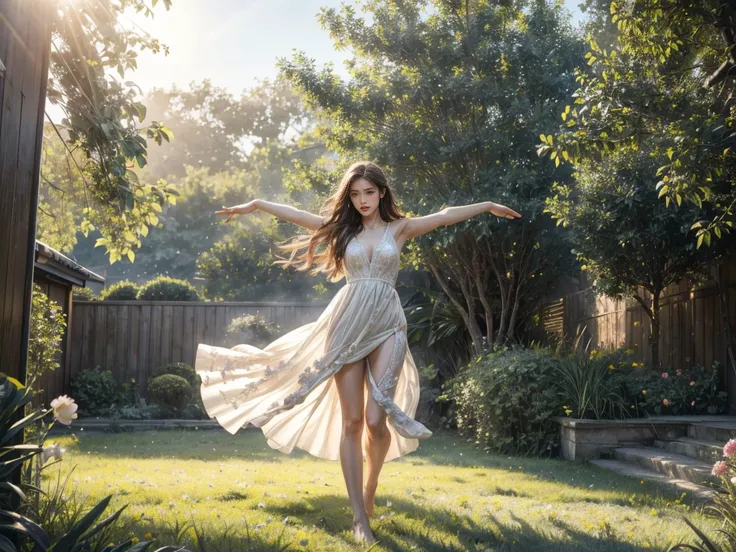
x=344 y=222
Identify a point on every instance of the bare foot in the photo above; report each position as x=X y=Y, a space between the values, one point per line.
x=369 y=495
x=362 y=531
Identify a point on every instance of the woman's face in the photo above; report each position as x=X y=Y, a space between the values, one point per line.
x=365 y=196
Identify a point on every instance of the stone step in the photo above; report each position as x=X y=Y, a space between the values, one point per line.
x=712 y=431
x=624 y=468
x=670 y=464
x=707 y=451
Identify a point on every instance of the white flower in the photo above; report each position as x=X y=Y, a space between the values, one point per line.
x=52 y=450
x=733 y=480
x=65 y=409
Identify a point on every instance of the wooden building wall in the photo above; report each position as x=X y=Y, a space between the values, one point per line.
x=24 y=50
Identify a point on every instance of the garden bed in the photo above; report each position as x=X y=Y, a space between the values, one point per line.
x=113 y=425
x=582 y=439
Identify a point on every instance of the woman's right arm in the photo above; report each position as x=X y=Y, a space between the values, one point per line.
x=284 y=212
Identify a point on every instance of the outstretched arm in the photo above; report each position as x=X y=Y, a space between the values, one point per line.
x=284 y=212
x=452 y=215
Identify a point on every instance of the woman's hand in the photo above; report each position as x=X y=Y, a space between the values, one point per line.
x=503 y=211
x=242 y=209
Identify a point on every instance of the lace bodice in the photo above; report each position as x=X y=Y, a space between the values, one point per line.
x=383 y=266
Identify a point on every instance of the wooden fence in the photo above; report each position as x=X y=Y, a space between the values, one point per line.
x=130 y=338
x=692 y=323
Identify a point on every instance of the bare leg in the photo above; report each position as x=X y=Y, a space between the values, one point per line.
x=378 y=438
x=349 y=381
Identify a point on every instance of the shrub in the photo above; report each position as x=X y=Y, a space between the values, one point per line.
x=693 y=391
x=122 y=291
x=48 y=324
x=194 y=412
x=83 y=293
x=178 y=369
x=592 y=385
x=170 y=390
x=96 y=391
x=505 y=401
x=254 y=329
x=164 y=288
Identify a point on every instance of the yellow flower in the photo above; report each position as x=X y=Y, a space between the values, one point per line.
x=135 y=540
x=552 y=515
x=643 y=391
x=148 y=536
x=634 y=365
x=654 y=512
x=611 y=367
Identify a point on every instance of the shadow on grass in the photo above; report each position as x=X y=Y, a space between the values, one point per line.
x=409 y=526
x=450 y=449
x=445 y=449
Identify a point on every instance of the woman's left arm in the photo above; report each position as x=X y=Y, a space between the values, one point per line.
x=417 y=226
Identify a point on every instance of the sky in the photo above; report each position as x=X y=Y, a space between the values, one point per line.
x=234 y=43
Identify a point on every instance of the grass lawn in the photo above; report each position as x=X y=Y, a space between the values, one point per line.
x=445 y=496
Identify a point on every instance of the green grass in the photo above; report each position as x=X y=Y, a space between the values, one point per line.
x=445 y=496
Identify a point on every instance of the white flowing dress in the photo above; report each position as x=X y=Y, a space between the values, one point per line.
x=288 y=390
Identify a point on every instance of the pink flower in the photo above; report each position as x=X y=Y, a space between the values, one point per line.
x=729 y=449
x=665 y=375
x=719 y=468
x=692 y=403
x=665 y=402
x=679 y=372
x=692 y=383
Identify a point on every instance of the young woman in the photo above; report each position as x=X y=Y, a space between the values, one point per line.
x=318 y=386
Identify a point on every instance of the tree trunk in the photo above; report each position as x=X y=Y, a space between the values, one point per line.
x=514 y=311
x=652 y=310
x=504 y=307
x=479 y=284
x=656 y=326
x=468 y=314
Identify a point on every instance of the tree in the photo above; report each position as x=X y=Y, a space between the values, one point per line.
x=241 y=267
x=669 y=76
x=184 y=231
x=102 y=118
x=625 y=235
x=450 y=97
x=217 y=130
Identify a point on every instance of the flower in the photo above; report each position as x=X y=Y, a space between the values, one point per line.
x=729 y=449
x=65 y=409
x=665 y=375
x=611 y=367
x=665 y=402
x=692 y=403
x=678 y=372
x=733 y=480
x=692 y=383
x=643 y=391
x=634 y=365
x=148 y=536
x=719 y=468
x=52 y=450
